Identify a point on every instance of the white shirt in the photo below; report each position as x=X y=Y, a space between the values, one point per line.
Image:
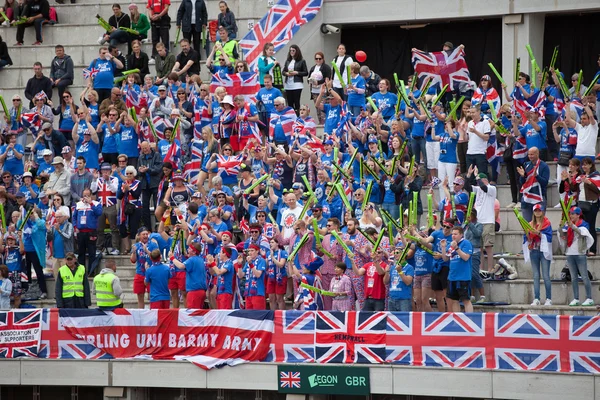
x=288 y=220
x=476 y=144
x=315 y=89
x=342 y=67
x=586 y=140
x=289 y=81
x=484 y=204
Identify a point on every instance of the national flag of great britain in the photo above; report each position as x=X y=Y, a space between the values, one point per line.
x=20 y=333
x=278 y=27
x=90 y=73
x=289 y=379
x=230 y=165
x=243 y=83
x=31 y=121
x=286 y=119
x=531 y=189
x=442 y=68
x=191 y=171
x=293 y=338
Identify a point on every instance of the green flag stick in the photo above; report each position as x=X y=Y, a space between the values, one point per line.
x=372 y=104
x=390 y=234
x=591 y=86
x=367 y=195
x=20 y=21
x=320 y=291
x=414 y=239
x=19 y=109
x=5 y=109
x=495 y=71
x=565 y=213
x=132 y=114
x=425 y=89
x=534 y=65
x=427 y=113
x=414 y=83
x=360 y=171
x=369 y=239
x=203 y=38
x=378 y=241
x=470 y=206
x=3 y=217
x=271 y=219
x=308 y=187
x=255 y=184
x=301 y=243
x=381 y=167
x=152 y=129
x=410 y=213
x=351 y=162
x=368 y=169
x=102 y=22
x=415 y=203
x=25 y=219
x=401 y=219
x=130 y=31
x=403 y=94
x=390 y=218
x=340 y=170
x=441 y=94
x=341 y=242
x=517 y=69
x=177 y=34
x=306 y=206
x=348 y=75
x=318 y=239
x=412 y=166
x=403 y=254
x=429 y=210
x=578 y=87
x=343 y=195
x=338 y=74
x=455 y=108
x=4 y=16
x=563 y=86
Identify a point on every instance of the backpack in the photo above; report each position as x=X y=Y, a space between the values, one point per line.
x=52 y=16
x=263 y=117
x=565 y=275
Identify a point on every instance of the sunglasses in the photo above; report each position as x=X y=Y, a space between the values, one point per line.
x=112 y=115
x=318 y=58
x=261 y=216
x=226 y=149
x=202 y=90
x=254 y=232
x=118 y=95
x=16 y=99
x=66 y=97
x=329 y=226
x=122 y=161
x=447 y=226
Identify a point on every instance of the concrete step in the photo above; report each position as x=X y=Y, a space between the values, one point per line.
x=126 y=284
x=556 y=266
x=512 y=242
x=528 y=309
x=503 y=177
x=520 y=291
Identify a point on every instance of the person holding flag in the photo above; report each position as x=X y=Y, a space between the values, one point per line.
x=534 y=181
x=247 y=124
x=225 y=271
x=589 y=193
x=537 y=249
x=575 y=239
x=485 y=92
x=307 y=298
x=253 y=271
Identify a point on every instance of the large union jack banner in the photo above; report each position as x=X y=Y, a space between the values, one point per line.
x=524 y=342
x=442 y=68
x=278 y=26
x=20 y=333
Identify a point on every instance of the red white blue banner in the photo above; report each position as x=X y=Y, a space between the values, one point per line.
x=210 y=338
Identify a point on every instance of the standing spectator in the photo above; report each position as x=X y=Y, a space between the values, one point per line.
x=267 y=94
x=373 y=273
x=342 y=61
x=150 y=168
x=61 y=70
x=5 y=288
x=157 y=277
x=115 y=101
x=535 y=132
x=267 y=63
x=85 y=218
x=87 y=143
x=105 y=187
x=187 y=62
x=11 y=157
x=61 y=236
x=541 y=172
x=72 y=285
x=588 y=197
x=400 y=279
x=226 y=19
x=67 y=111
x=36 y=11
x=587 y=132
x=130 y=213
x=59 y=181
x=537 y=248
x=459 y=252
x=160 y=22
x=138 y=59
x=342 y=286
x=107 y=287
x=38 y=83
x=140 y=256
x=5 y=59
x=194 y=285
x=163 y=62
x=484 y=204
x=478 y=130
x=192 y=29
x=13 y=258
x=294 y=70
x=356 y=91
x=576 y=239
x=255 y=283
x=371 y=81
x=103 y=81
x=473 y=232
x=80 y=180
x=316 y=78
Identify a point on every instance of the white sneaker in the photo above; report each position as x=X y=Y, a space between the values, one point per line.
x=473 y=299
x=146 y=40
x=115 y=252
x=511 y=205
x=518 y=205
x=557 y=206
x=101 y=40
x=481 y=299
x=548 y=301
x=574 y=303
x=536 y=302
x=152 y=61
x=588 y=302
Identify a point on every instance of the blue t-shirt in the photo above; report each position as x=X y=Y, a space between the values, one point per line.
x=12 y=164
x=158 y=277
x=460 y=270
x=13 y=260
x=448 y=148
x=267 y=96
x=418 y=126
x=127 y=141
x=162 y=243
x=357 y=99
x=389 y=197
x=104 y=79
x=438 y=236
x=110 y=139
x=28 y=196
x=225 y=281
x=533 y=137
x=88 y=150
x=195 y=274
x=94 y=114
x=142 y=257
x=423 y=262
x=37 y=150
x=59 y=249
x=255 y=286
x=67 y=123
x=386 y=103
x=398 y=289
x=332 y=118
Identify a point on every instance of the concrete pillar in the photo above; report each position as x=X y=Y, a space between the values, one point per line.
x=518 y=30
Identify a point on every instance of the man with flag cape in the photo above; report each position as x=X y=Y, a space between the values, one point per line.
x=535 y=175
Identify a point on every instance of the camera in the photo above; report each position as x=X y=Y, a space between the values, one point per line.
x=327 y=29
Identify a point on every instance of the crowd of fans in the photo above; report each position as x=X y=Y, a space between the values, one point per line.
x=236 y=203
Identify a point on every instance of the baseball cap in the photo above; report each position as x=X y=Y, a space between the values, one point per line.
x=162 y=87
x=197 y=195
x=20 y=194
x=66 y=149
x=482 y=176
x=328 y=142
x=42 y=195
x=46 y=125
x=539 y=207
x=372 y=139
x=105 y=166
x=27 y=174
x=47 y=152
x=573 y=210
x=298 y=185
x=70 y=255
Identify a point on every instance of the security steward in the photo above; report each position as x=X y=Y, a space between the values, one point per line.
x=107 y=287
x=72 y=285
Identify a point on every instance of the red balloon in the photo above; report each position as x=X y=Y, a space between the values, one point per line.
x=360 y=56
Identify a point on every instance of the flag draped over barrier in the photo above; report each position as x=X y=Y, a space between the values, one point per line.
x=212 y=338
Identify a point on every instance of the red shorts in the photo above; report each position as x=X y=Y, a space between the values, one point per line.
x=238 y=143
x=256 y=303
x=277 y=288
x=139 y=287
x=224 y=301
x=177 y=281
x=160 y=305
x=195 y=299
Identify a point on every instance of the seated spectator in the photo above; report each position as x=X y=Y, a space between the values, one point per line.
x=116 y=36
x=5 y=59
x=37 y=12
x=187 y=62
x=163 y=62
x=10 y=8
x=38 y=83
x=115 y=101
x=138 y=59
x=226 y=20
x=61 y=70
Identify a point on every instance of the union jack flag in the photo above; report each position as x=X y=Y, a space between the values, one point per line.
x=244 y=226
x=174 y=153
x=304 y=129
x=244 y=83
x=133 y=99
x=289 y=379
x=343 y=126
x=522 y=105
x=293 y=338
x=442 y=68
x=201 y=118
x=31 y=121
x=230 y=165
x=286 y=120
x=350 y=337
x=586 y=330
x=481 y=97
x=531 y=189
x=160 y=124
x=90 y=73
x=57 y=343
x=278 y=27
x=20 y=333
x=106 y=196
x=191 y=171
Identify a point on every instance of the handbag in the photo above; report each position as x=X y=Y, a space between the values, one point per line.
x=129 y=208
x=508 y=151
x=564 y=157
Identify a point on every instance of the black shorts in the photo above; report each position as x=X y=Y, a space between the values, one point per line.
x=459 y=290
x=439 y=280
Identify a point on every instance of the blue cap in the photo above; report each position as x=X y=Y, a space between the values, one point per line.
x=575 y=210
x=372 y=139
x=20 y=194
x=314 y=265
x=329 y=142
